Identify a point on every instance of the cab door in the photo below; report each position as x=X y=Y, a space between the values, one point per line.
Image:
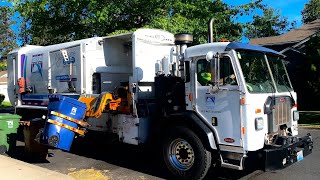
x=221 y=108
x=12 y=71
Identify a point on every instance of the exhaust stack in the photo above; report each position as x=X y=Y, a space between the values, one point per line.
x=181 y=41
x=210 y=31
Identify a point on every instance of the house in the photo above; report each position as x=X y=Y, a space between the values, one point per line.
x=3 y=84
x=293 y=45
x=292 y=40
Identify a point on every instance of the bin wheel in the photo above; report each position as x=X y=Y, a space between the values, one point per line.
x=53 y=141
x=3 y=149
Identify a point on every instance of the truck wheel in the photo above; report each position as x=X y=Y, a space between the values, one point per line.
x=185 y=155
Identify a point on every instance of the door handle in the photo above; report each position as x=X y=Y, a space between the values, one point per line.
x=224 y=89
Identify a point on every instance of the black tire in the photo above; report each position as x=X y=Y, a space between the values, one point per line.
x=187 y=163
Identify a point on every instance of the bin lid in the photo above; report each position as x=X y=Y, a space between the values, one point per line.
x=6 y=116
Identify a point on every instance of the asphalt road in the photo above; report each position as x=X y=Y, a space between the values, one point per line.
x=97 y=160
x=308 y=168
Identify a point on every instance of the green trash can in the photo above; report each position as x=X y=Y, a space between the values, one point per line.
x=9 y=124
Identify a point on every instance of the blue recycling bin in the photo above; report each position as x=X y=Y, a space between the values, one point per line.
x=55 y=133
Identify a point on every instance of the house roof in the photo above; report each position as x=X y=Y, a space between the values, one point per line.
x=293 y=36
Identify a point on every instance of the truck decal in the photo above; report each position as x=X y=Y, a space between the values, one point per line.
x=36 y=100
x=69 y=60
x=39 y=99
x=23 y=65
x=210 y=102
x=36 y=67
x=24 y=60
x=65 y=78
x=36 y=64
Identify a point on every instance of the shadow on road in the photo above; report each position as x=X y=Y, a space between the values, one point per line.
x=146 y=160
x=20 y=154
x=96 y=146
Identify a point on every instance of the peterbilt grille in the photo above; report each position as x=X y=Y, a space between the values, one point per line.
x=281 y=111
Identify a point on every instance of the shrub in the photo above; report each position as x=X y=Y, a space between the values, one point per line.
x=1 y=98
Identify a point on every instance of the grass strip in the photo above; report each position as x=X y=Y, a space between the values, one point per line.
x=5 y=104
x=309 y=118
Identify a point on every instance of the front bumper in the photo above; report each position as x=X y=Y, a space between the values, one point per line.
x=278 y=157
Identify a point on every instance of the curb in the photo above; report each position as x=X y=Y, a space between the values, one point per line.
x=13 y=169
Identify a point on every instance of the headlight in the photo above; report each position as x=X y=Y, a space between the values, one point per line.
x=295 y=115
x=259 y=123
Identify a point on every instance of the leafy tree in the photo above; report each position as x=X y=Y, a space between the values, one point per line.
x=311 y=11
x=53 y=21
x=7 y=36
x=3 y=65
x=271 y=23
x=193 y=17
x=24 y=35
x=311 y=65
x=308 y=75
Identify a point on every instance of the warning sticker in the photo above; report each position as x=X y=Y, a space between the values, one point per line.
x=73 y=111
x=10 y=124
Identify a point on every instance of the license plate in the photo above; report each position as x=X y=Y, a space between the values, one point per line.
x=299 y=155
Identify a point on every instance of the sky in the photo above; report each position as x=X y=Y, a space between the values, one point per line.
x=288 y=8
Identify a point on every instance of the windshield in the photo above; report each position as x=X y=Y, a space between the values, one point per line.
x=257 y=75
x=279 y=73
x=255 y=71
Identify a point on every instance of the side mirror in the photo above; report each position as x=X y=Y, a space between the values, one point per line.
x=209 y=56
x=215 y=73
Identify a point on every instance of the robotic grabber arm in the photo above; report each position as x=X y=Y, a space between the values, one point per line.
x=107 y=101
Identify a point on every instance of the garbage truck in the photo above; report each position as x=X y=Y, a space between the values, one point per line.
x=208 y=105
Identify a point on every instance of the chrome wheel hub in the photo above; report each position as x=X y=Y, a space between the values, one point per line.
x=181 y=154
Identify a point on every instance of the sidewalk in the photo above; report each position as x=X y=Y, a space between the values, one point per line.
x=12 y=169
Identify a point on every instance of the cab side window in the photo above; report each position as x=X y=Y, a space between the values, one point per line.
x=203 y=72
x=227 y=75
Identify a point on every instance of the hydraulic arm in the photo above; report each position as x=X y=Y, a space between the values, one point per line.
x=107 y=101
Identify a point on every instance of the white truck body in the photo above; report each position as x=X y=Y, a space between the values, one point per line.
x=163 y=75
x=114 y=58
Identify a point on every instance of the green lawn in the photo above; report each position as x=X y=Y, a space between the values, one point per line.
x=309 y=118
x=5 y=104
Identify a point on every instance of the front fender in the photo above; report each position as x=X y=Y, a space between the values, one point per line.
x=197 y=124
